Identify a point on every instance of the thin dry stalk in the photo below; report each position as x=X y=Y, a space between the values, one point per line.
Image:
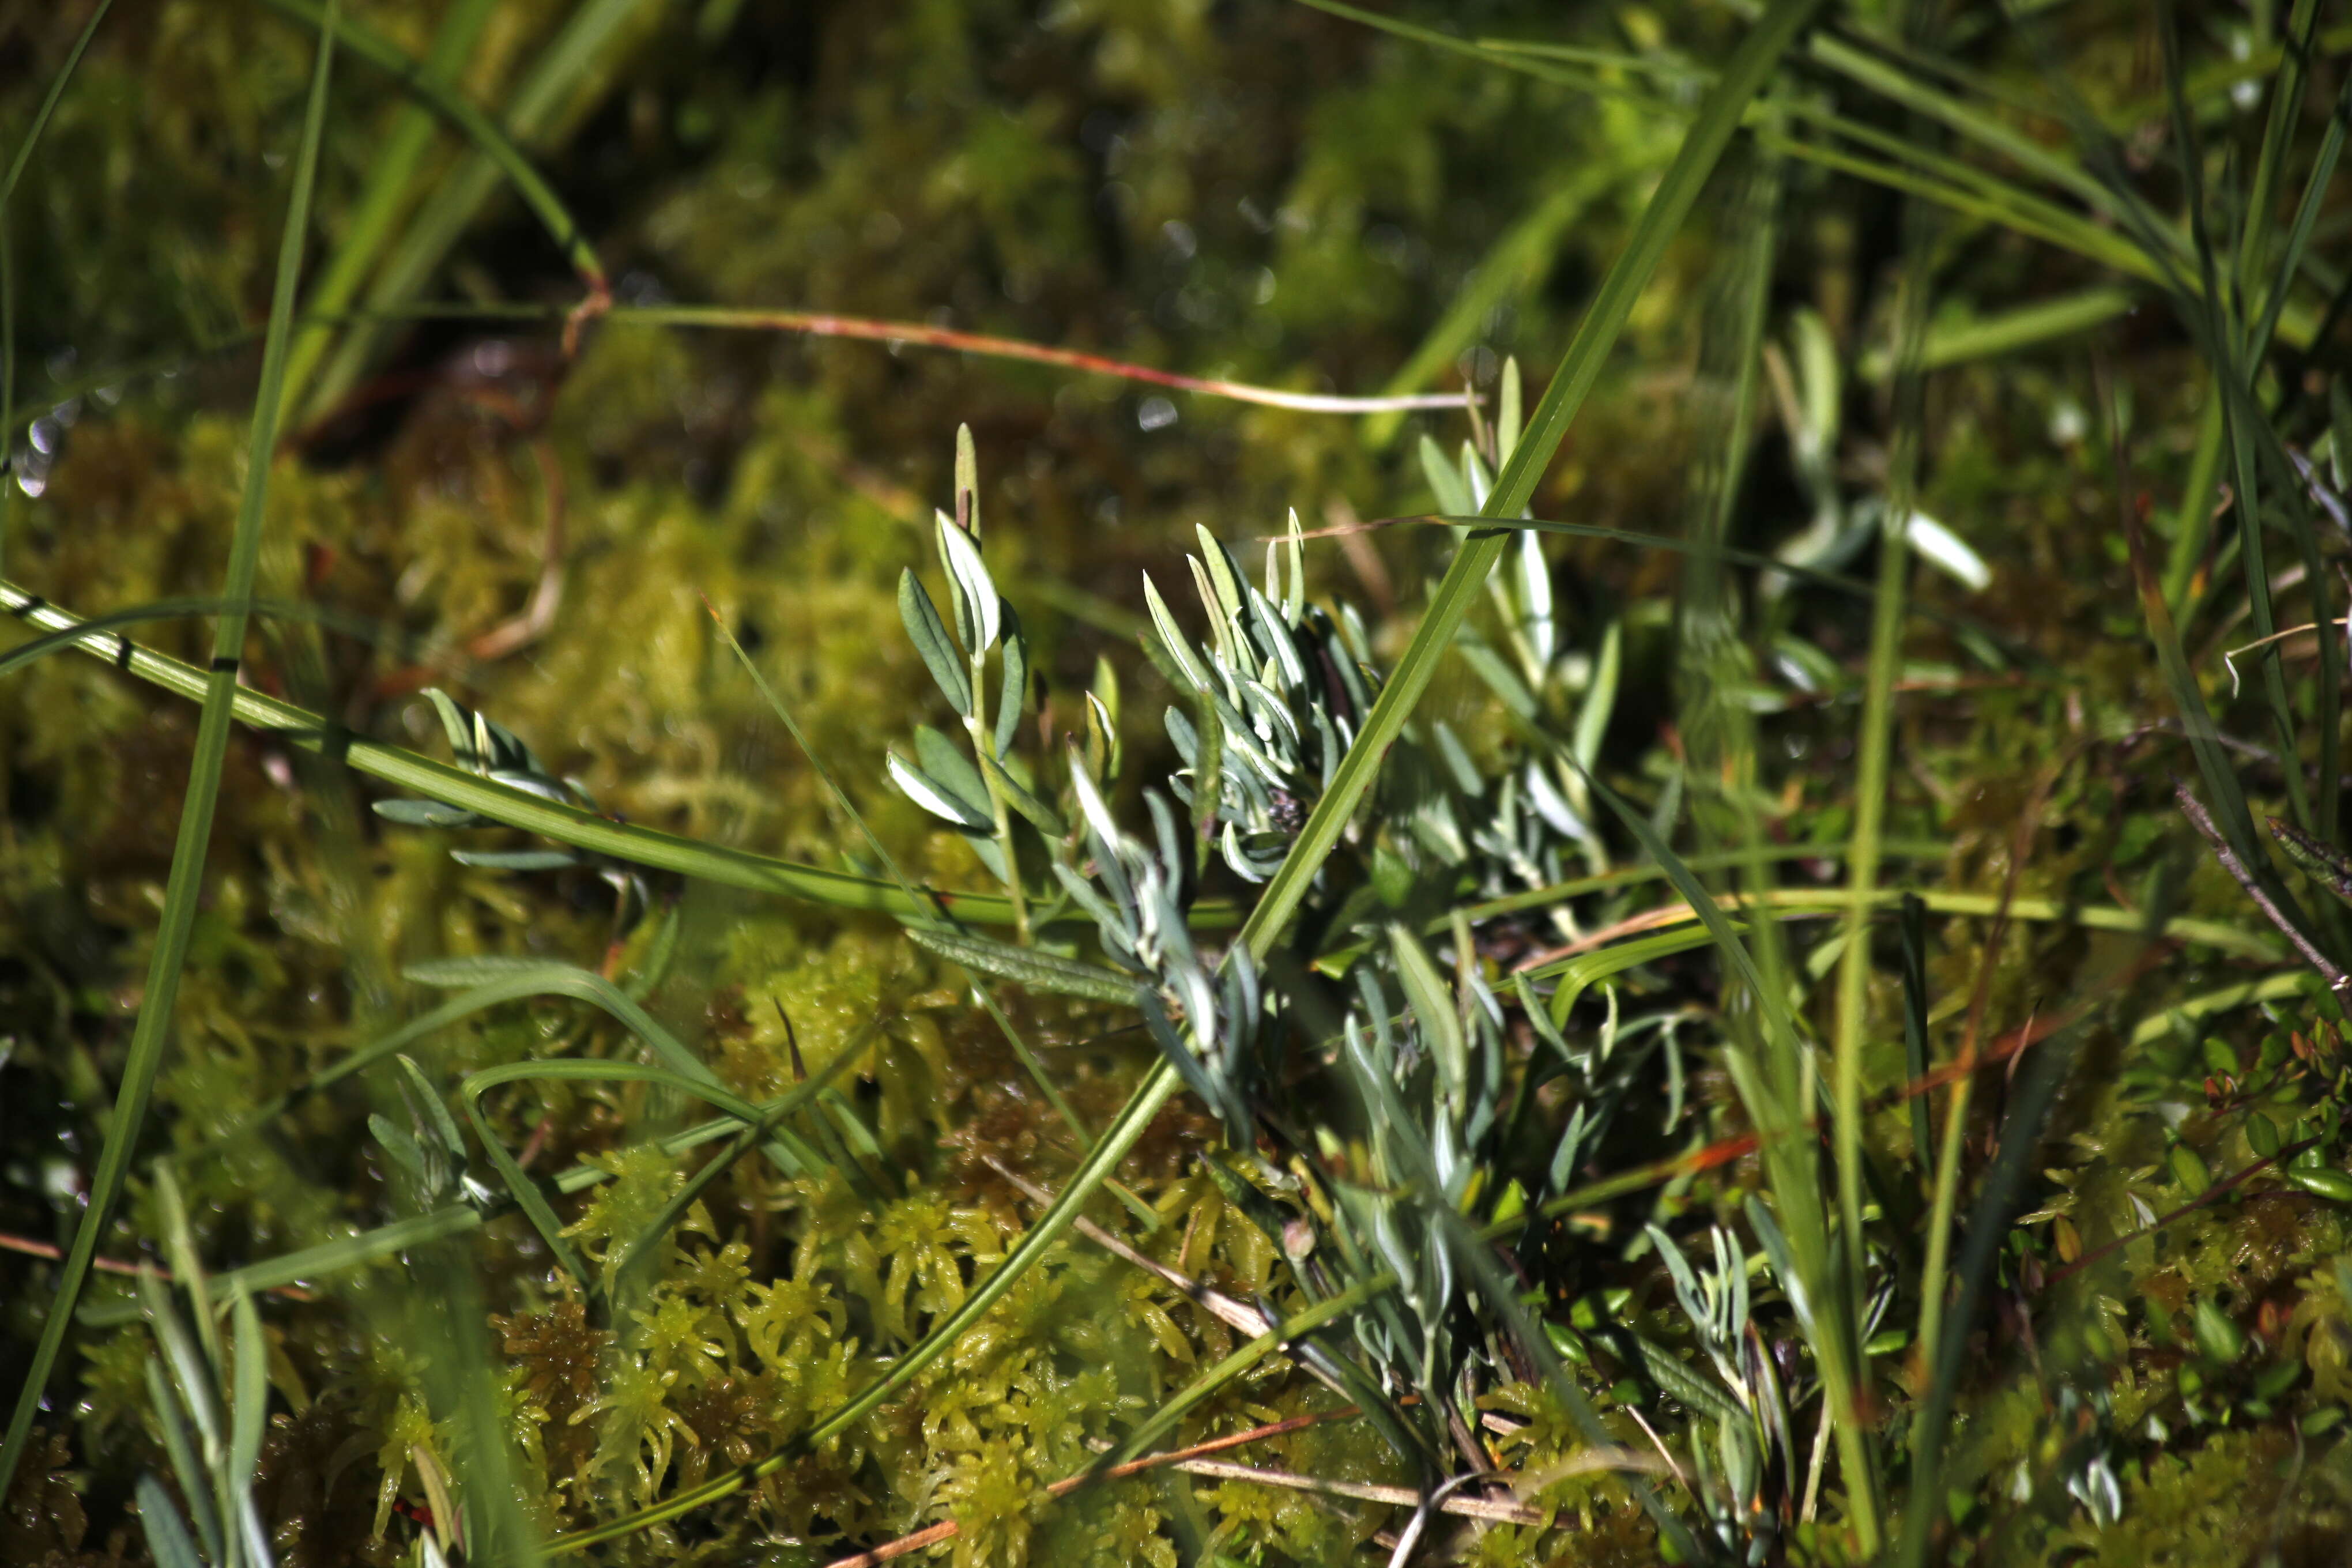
x=2194 y=810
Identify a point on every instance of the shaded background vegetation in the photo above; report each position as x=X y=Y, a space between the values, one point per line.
x=1263 y=192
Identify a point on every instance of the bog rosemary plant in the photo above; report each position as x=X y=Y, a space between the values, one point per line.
x=1430 y=1126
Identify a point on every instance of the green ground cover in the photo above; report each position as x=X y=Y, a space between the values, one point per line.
x=664 y=922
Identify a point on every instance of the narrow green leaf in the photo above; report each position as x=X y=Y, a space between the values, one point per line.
x=1017 y=795
x=979 y=610
x=185 y=884
x=1172 y=643
x=929 y=636
x=1444 y=480
x=1433 y=1007
x=530 y=106
x=437 y=1115
x=967 y=481
x=1510 y=414
x=476 y=969
x=935 y=795
x=1580 y=974
x=1208 y=782
x=1012 y=694
x=384 y=196
x=1027 y=966
x=1600 y=698
x=167 y=1537
x=250 y=1406
x=178 y=1444
x=424 y=814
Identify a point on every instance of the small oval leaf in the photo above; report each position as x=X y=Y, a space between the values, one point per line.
x=929 y=636
x=933 y=796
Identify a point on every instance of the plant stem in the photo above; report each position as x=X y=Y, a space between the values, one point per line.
x=975 y=724
x=185 y=883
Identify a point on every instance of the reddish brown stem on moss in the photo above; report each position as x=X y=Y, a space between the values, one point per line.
x=31 y=1248
x=824 y=324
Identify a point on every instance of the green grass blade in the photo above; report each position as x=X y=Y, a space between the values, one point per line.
x=386 y=191
x=167 y=1536
x=187 y=880
x=2000 y=334
x=1779 y=1113
x=1580 y=973
x=1908 y=92
x=498 y=149
x=2016 y=652
x=1552 y=70
x=154 y=610
x=2269 y=163
x=581 y=829
x=533 y=106
x=1875 y=751
x=516 y=980
x=1750 y=66
x=2031 y=1101
x=2215 y=313
x=2306 y=216
x=346 y=1252
x=249 y=1404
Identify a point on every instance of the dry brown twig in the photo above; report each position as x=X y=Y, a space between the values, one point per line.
x=2194 y=810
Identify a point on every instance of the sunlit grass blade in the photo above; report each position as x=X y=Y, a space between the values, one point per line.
x=498 y=149
x=581 y=829
x=2216 y=313
x=1985 y=632
x=513 y=980
x=1874 y=753
x=185 y=883
x=86 y=631
x=1999 y=334
x=1749 y=67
